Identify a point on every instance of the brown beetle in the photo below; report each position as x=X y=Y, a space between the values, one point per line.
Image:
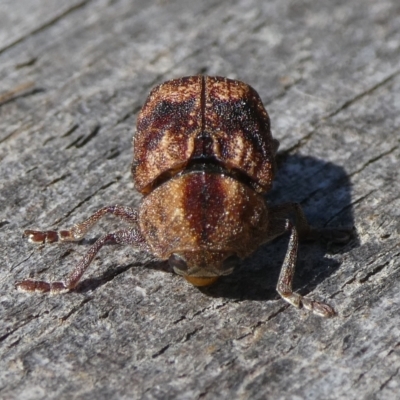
x=203 y=158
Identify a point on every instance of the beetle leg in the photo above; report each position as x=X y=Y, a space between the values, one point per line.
x=77 y=232
x=286 y=276
x=305 y=231
x=128 y=237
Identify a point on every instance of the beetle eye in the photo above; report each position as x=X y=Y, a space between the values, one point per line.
x=177 y=263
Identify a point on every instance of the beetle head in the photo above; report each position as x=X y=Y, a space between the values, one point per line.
x=202 y=268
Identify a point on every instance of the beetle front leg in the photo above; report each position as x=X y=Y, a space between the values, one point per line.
x=78 y=231
x=286 y=276
x=129 y=237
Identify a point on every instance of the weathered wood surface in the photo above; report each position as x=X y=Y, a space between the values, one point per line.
x=72 y=78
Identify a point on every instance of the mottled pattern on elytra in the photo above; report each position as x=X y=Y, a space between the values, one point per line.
x=240 y=128
x=203 y=118
x=202 y=211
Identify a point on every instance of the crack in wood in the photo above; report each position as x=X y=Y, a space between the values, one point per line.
x=254 y=327
x=71 y=130
x=350 y=205
x=20 y=91
x=3 y=223
x=75 y=309
x=54 y=181
x=376 y=270
x=385 y=383
x=160 y=352
x=373 y=160
x=189 y=335
x=28 y=63
x=366 y=92
x=301 y=142
x=83 y=140
x=13 y=330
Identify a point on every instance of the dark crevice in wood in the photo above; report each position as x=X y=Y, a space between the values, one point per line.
x=21 y=262
x=160 y=352
x=6 y=335
x=374 y=159
x=13 y=330
x=393 y=349
x=15 y=91
x=345 y=105
x=189 y=335
x=254 y=327
x=333 y=295
x=199 y=312
x=385 y=383
x=70 y=130
x=83 y=140
x=27 y=63
x=66 y=253
x=14 y=97
x=113 y=153
x=3 y=223
x=105 y=314
x=276 y=313
x=349 y=206
x=32 y=169
x=377 y=269
x=75 y=309
x=186 y=338
x=48 y=140
x=61 y=178
x=182 y=318
x=367 y=92
x=129 y=114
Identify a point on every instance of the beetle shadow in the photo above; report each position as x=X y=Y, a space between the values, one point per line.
x=323 y=189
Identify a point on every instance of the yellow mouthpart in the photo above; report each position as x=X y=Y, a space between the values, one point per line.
x=201 y=281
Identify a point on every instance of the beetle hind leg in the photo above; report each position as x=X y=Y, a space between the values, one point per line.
x=286 y=276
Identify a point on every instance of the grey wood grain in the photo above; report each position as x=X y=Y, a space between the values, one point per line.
x=72 y=79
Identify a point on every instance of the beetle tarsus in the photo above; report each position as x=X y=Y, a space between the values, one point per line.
x=42 y=236
x=318 y=308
